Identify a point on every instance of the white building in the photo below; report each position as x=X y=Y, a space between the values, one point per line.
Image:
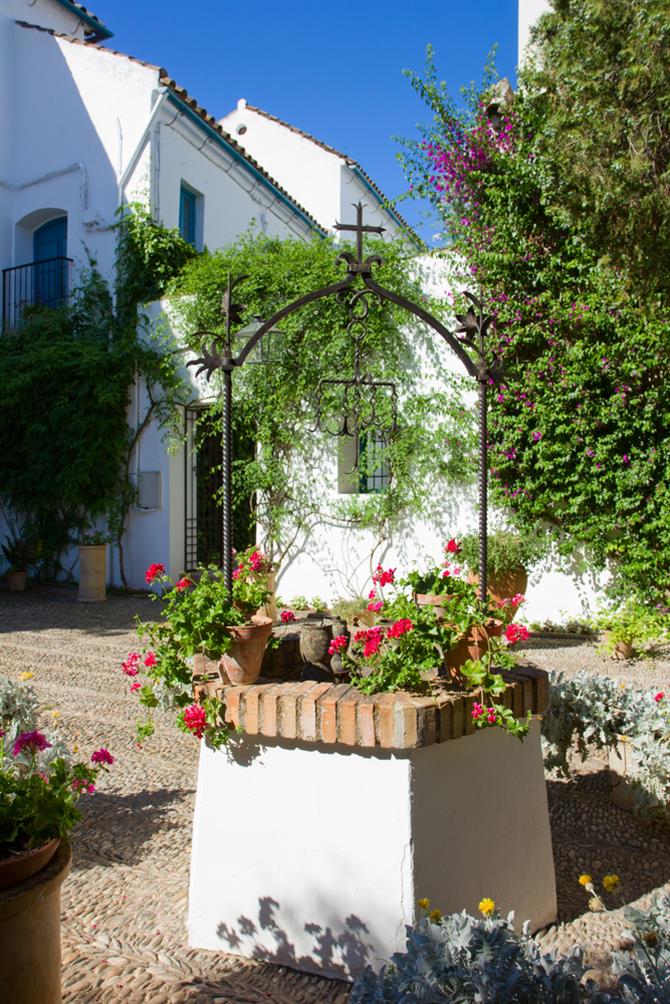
x=113 y=129
x=84 y=129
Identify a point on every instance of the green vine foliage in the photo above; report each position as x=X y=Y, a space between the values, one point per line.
x=274 y=404
x=526 y=192
x=67 y=373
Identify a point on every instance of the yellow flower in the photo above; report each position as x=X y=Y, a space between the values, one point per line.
x=435 y=916
x=585 y=880
x=55 y=714
x=487 y=906
x=424 y=903
x=75 y=748
x=623 y=684
x=26 y=676
x=610 y=882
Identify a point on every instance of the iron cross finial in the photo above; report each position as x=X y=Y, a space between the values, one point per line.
x=359 y=228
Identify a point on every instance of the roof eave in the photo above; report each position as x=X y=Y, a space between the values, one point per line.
x=232 y=151
x=99 y=31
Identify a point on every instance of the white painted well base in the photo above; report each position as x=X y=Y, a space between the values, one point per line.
x=314 y=856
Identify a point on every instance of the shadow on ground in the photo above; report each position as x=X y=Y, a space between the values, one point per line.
x=592 y=835
x=52 y=607
x=115 y=828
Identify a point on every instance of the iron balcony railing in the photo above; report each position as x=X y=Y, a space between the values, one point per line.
x=45 y=282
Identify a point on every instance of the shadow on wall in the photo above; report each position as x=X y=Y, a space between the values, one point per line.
x=339 y=954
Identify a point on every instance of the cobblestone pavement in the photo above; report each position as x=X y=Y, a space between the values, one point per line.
x=124 y=904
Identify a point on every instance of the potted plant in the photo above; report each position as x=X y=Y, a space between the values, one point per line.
x=20 y=553
x=627 y=627
x=92 y=567
x=40 y=785
x=510 y=556
x=202 y=625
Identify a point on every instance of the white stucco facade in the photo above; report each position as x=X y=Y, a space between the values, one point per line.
x=322 y=866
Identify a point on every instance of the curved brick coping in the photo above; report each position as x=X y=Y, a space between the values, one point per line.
x=338 y=713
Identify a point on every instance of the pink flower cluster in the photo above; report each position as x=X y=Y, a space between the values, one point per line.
x=512 y=601
x=195 y=719
x=516 y=632
x=452 y=547
x=154 y=572
x=384 y=577
x=102 y=756
x=399 y=628
x=183 y=583
x=479 y=711
x=30 y=742
x=287 y=616
x=78 y=784
x=131 y=664
x=659 y=696
x=371 y=639
x=338 y=644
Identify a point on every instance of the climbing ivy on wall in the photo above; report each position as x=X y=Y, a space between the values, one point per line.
x=66 y=374
x=291 y=479
x=556 y=201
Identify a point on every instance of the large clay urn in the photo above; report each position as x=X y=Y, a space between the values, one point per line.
x=92 y=573
x=473 y=646
x=241 y=664
x=30 y=957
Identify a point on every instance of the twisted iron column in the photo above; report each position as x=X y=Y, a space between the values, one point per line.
x=227 y=474
x=483 y=488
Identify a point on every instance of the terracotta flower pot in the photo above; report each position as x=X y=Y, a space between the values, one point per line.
x=30 y=959
x=16 y=581
x=504 y=585
x=435 y=600
x=242 y=662
x=315 y=638
x=473 y=645
x=20 y=867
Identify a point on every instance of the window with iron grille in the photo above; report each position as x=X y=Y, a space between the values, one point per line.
x=362 y=467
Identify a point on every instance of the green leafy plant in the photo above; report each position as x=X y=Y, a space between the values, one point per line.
x=507 y=551
x=632 y=623
x=275 y=403
x=463 y=959
x=40 y=781
x=20 y=553
x=197 y=614
x=551 y=197
x=595 y=712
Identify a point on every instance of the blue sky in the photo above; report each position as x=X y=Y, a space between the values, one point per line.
x=333 y=69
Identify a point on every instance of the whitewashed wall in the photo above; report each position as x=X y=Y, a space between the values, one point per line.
x=529 y=12
x=322 y=181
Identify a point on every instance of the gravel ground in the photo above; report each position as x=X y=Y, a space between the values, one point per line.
x=124 y=905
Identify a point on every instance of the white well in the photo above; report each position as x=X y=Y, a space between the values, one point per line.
x=314 y=856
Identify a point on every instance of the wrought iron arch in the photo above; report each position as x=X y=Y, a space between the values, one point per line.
x=474 y=327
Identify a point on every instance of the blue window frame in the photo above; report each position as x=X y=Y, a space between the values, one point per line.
x=50 y=274
x=188 y=202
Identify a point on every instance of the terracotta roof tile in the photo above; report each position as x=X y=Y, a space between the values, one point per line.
x=337 y=153
x=97 y=26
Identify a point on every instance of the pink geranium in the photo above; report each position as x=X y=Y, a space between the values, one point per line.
x=659 y=696
x=400 y=627
x=338 y=644
x=30 y=742
x=183 y=583
x=153 y=572
x=287 y=616
x=452 y=546
x=384 y=577
x=102 y=756
x=195 y=719
x=371 y=639
x=135 y=686
x=376 y=606
x=150 y=659
x=516 y=632
x=131 y=664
